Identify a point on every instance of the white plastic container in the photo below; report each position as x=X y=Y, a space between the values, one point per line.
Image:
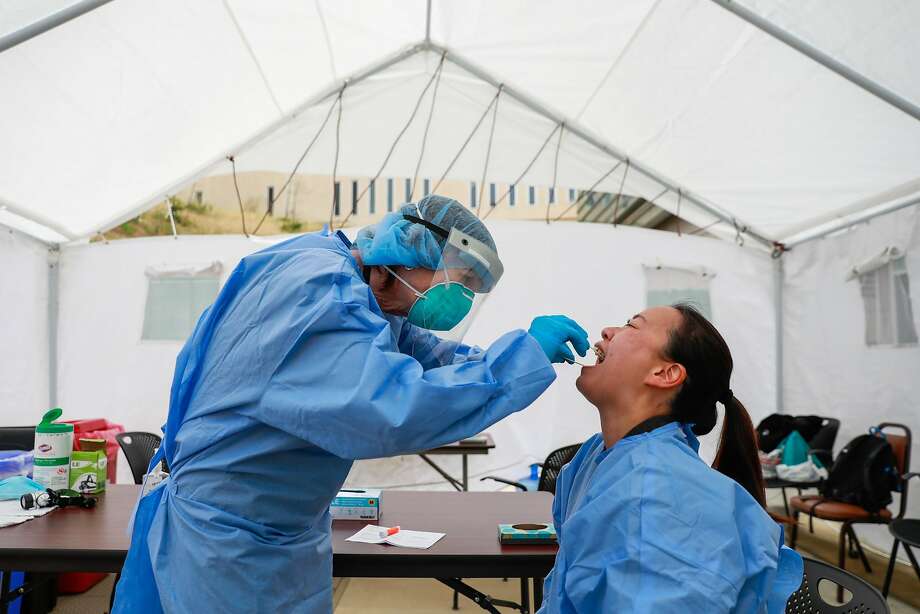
x=53 y=447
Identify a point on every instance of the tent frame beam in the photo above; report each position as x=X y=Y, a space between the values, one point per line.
x=37 y=219
x=49 y=23
x=853 y=221
x=860 y=80
x=593 y=140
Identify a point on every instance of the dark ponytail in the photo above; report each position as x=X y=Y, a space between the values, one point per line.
x=698 y=346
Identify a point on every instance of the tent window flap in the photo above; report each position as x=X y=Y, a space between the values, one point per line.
x=889 y=315
x=176 y=297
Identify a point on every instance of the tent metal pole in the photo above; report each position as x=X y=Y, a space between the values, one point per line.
x=779 y=280
x=49 y=23
x=38 y=219
x=330 y=91
x=858 y=79
x=844 y=224
x=54 y=283
x=586 y=136
x=428 y=23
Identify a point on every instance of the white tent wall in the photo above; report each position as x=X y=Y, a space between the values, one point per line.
x=829 y=370
x=106 y=370
x=24 y=339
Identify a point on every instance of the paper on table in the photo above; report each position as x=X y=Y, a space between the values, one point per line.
x=11 y=513
x=404 y=538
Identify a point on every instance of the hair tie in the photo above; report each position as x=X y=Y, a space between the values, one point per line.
x=727 y=397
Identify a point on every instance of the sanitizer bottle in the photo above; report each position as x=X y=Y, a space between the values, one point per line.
x=53 y=447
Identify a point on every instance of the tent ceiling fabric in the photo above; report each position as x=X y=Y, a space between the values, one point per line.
x=117 y=107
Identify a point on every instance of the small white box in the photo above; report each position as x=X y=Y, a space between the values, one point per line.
x=356 y=504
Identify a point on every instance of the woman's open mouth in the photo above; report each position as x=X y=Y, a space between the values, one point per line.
x=599 y=353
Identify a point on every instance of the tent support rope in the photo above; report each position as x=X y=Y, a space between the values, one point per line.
x=296 y=166
x=555 y=170
x=616 y=206
x=239 y=199
x=467 y=141
x=336 y=194
x=434 y=97
x=485 y=167
x=588 y=191
x=525 y=171
x=386 y=159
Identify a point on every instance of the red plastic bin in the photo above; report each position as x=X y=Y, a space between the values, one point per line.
x=99 y=428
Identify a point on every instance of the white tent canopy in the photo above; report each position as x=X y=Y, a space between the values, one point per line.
x=117 y=107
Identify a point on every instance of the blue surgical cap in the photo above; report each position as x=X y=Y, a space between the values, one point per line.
x=395 y=240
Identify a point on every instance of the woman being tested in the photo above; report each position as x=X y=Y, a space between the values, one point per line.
x=644 y=525
x=314 y=354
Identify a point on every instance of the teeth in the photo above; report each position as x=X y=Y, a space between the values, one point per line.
x=599 y=353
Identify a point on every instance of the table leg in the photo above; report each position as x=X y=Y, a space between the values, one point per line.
x=452 y=480
x=525 y=595
x=466 y=473
x=5 y=588
x=537 y=594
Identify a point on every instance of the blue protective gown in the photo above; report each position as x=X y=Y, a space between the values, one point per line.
x=291 y=374
x=647 y=526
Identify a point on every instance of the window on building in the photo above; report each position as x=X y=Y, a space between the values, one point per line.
x=336 y=201
x=408 y=191
x=354 y=197
x=669 y=285
x=176 y=296
x=390 y=194
x=199 y=197
x=884 y=283
x=491 y=194
x=427 y=186
x=511 y=195
x=473 y=195
x=532 y=195
x=552 y=195
x=372 y=197
x=271 y=200
x=571 y=195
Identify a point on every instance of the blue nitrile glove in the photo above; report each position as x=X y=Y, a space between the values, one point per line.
x=552 y=333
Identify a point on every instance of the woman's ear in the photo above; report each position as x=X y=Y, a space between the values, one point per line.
x=667 y=375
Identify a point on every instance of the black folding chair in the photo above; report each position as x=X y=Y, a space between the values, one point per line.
x=905 y=531
x=808 y=600
x=549 y=469
x=139 y=448
x=17 y=438
x=822 y=446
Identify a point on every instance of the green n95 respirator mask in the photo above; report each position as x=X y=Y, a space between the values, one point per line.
x=466 y=273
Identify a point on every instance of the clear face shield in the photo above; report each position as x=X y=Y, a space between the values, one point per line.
x=467 y=272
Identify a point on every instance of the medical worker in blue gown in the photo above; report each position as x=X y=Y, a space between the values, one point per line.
x=315 y=353
x=644 y=525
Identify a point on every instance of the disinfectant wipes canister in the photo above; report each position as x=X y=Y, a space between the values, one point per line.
x=53 y=447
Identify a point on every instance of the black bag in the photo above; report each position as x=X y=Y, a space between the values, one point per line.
x=772 y=430
x=807 y=426
x=864 y=473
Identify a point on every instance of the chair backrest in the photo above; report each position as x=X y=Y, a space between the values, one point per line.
x=866 y=598
x=553 y=465
x=825 y=438
x=900 y=446
x=139 y=448
x=17 y=438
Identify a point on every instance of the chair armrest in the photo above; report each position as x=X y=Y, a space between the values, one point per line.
x=912 y=474
x=504 y=481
